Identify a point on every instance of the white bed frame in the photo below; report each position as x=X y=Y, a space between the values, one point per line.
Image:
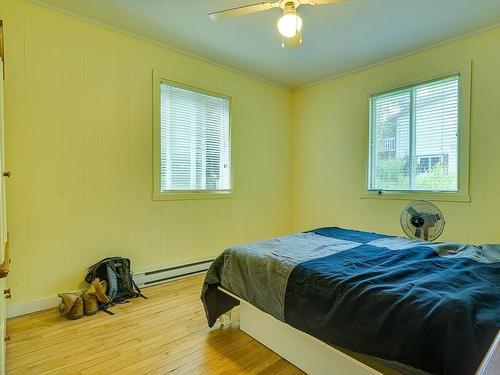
x=313 y=356
x=306 y=352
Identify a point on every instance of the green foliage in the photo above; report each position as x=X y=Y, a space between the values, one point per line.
x=392 y=174
x=436 y=179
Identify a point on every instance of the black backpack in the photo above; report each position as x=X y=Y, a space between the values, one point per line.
x=121 y=286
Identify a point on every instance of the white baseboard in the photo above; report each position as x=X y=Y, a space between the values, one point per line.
x=143 y=280
x=39 y=304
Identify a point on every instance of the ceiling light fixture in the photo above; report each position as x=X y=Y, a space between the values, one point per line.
x=290 y=22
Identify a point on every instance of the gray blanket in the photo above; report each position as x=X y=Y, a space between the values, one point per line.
x=258 y=271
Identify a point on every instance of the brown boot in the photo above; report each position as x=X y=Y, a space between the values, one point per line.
x=71 y=305
x=98 y=288
x=89 y=303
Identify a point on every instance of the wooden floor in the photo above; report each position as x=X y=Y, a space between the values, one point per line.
x=166 y=333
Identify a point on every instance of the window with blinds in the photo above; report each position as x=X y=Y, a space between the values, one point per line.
x=194 y=140
x=414 y=138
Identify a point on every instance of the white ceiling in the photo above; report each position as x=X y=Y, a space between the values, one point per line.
x=337 y=37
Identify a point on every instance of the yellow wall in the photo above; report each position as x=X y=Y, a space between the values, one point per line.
x=78 y=110
x=330 y=141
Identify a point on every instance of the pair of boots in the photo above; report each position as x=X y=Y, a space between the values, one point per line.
x=74 y=306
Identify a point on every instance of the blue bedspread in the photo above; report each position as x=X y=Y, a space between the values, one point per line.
x=430 y=306
x=411 y=305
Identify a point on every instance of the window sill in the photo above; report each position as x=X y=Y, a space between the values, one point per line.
x=193 y=195
x=429 y=196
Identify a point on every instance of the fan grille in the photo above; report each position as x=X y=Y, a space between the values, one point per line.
x=422 y=220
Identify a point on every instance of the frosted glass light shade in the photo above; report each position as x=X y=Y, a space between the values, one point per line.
x=289 y=24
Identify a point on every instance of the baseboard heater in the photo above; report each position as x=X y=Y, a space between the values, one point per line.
x=163 y=275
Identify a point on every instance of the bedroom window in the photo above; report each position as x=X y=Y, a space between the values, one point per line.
x=193 y=143
x=414 y=138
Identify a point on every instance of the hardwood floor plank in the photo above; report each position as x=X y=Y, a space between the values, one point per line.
x=165 y=334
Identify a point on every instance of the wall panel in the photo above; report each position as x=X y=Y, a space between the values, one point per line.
x=79 y=143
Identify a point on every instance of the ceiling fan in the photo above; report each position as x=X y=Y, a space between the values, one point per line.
x=289 y=24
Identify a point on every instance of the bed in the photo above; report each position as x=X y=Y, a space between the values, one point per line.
x=418 y=307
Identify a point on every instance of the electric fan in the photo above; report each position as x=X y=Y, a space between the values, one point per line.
x=422 y=220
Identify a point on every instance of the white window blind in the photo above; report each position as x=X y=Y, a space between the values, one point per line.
x=194 y=140
x=420 y=123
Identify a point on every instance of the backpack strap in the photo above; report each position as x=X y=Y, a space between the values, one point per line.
x=91 y=273
x=137 y=290
x=92 y=270
x=104 y=308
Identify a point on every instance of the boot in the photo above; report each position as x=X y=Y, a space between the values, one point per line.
x=98 y=288
x=71 y=305
x=89 y=303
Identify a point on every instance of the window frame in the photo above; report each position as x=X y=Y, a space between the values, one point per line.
x=410 y=79
x=193 y=194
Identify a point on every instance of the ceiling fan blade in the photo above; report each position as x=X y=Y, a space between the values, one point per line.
x=418 y=232
x=321 y=2
x=292 y=42
x=239 y=11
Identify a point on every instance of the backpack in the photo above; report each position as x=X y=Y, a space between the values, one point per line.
x=121 y=286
